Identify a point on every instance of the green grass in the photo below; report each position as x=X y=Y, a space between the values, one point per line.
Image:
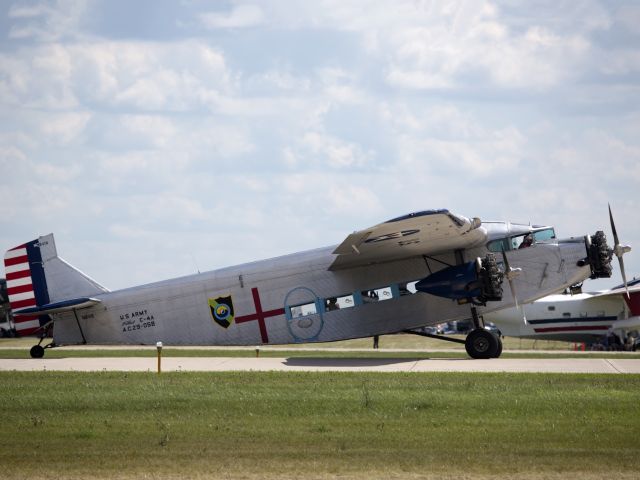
x=396 y=342
x=318 y=425
x=404 y=346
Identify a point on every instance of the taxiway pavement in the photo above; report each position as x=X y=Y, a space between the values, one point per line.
x=220 y=364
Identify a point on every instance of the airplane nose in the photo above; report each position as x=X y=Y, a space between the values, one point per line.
x=582 y=258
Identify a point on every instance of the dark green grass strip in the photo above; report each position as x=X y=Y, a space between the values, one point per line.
x=254 y=425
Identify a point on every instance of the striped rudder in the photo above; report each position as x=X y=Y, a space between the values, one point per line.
x=26 y=285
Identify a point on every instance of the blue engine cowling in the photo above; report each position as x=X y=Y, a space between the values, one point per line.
x=477 y=282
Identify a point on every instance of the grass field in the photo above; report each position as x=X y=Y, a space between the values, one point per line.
x=396 y=346
x=318 y=425
x=396 y=342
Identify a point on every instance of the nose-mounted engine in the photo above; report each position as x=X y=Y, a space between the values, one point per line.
x=477 y=282
x=599 y=255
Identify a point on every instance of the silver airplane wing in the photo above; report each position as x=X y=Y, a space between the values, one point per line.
x=429 y=232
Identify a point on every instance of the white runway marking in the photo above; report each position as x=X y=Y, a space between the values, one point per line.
x=220 y=364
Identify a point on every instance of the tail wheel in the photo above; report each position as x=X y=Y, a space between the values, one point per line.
x=37 y=351
x=482 y=344
x=600 y=256
x=491 y=279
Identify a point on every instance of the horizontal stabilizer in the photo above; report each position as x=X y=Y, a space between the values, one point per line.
x=627 y=323
x=58 y=307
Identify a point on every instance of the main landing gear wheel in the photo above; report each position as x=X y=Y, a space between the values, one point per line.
x=37 y=351
x=499 y=352
x=482 y=344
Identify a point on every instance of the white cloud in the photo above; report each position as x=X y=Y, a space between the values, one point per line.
x=444 y=139
x=138 y=75
x=436 y=45
x=156 y=130
x=334 y=152
x=441 y=57
x=241 y=16
x=345 y=199
x=46 y=21
x=324 y=118
x=64 y=128
x=38 y=78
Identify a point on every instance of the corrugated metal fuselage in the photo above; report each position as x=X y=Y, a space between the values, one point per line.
x=262 y=294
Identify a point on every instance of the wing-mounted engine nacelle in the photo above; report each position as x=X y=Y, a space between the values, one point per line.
x=477 y=282
x=599 y=255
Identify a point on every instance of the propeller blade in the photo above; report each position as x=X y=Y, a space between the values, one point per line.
x=511 y=273
x=613 y=227
x=619 y=251
x=513 y=292
x=507 y=272
x=507 y=268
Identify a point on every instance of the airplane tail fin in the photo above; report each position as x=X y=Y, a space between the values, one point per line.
x=633 y=302
x=37 y=277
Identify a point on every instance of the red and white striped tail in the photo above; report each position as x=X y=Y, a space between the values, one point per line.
x=20 y=288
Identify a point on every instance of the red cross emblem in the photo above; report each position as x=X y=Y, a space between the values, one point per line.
x=260 y=316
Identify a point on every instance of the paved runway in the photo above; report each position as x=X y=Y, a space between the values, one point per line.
x=220 y=364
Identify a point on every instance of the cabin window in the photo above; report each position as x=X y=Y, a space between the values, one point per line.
x=551 y=308
x=337 y=303
x=376 y=295
x=566 y=314
x=407 y=288
x=303 y=310
x=346 y=301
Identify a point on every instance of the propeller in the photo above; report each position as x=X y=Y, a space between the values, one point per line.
x=619 y=250
x=511 y=274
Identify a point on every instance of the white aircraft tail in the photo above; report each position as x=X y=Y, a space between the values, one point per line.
x=39 y=282
x=633 y=301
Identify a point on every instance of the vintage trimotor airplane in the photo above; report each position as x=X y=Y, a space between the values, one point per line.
x=412 y=271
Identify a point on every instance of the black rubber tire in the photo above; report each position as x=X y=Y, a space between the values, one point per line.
x=481 y=344
x=36 y=351
x=499 y=351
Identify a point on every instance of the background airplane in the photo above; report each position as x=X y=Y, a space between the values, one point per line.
x=581 y=317
x=361 y=288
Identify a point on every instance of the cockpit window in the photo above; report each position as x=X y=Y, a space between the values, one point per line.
x=544 y=235
x=499 y=245
x=521 y=241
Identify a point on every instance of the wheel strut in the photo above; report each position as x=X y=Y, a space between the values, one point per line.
x=478 y=321
x=37 y=351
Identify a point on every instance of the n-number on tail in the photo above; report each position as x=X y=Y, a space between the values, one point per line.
x=37 y=277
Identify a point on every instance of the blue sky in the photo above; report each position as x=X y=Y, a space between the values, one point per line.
x=155 y=138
